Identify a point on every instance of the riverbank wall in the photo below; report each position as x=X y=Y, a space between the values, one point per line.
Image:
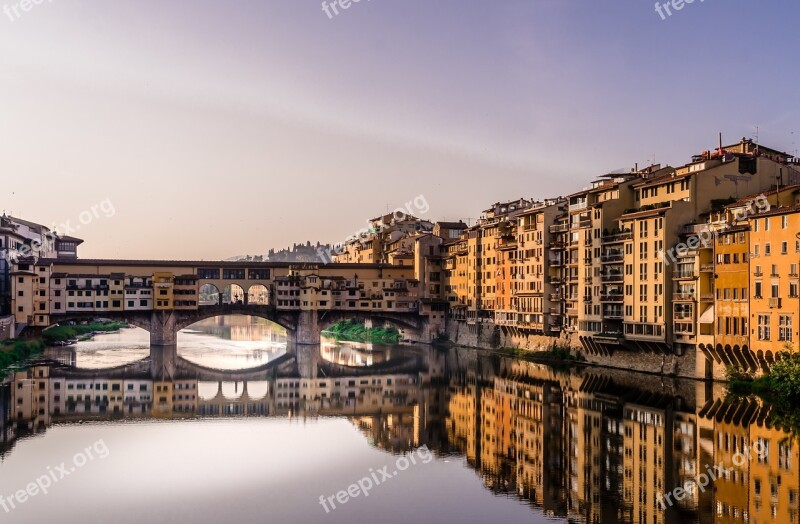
x=7 y=327
x=487 y=335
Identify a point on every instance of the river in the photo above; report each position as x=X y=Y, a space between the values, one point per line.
x=237 y=426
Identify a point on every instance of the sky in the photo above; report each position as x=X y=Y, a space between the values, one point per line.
x=207 y=129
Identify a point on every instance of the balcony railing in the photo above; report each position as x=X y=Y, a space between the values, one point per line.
x=559 y=228
x=579 y=206
x=613 y=297
x=619 y=236
x=678 y=275
x=615 y=277
x=707 y=268
x=683 y=296
x=556 y=297
x=612 y=257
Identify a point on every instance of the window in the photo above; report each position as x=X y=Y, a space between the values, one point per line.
x=767 y=249
x=785 y=328
x=784 y=247
x=763 y=327
x=766 y=224
x=784 y=222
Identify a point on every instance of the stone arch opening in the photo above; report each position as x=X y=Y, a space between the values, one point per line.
x=233 y=294
x=209 y=295
x=258 y=295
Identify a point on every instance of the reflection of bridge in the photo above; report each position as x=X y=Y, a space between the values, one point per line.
x=167 y=385
x=300 y=362
x=163 y=297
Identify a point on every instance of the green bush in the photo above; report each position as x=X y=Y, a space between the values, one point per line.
x=355 y=331
x=66 y=332
x=16 y=351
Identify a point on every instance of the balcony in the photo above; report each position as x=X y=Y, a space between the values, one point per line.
x=559 y=228
x=578 y=206
x=618 y=236
x=707 y=297
x=693 y=230
x=556 y=297
x=588 y=299
x=774 y=303
x=683 y=297
x=556 y=281
x=610 y=258
x=707 y=268
x=612 y=314
x=688 y=274
x=612 y=297
x=614 y=277
x=572 y=312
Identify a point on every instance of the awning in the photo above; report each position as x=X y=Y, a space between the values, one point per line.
x=708 y=316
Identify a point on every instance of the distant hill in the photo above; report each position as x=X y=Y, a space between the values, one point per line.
x=307 y=252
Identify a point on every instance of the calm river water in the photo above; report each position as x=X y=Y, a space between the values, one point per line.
x=237 y=427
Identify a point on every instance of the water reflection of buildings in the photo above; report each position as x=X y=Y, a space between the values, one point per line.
x=600 y=446
x=241 y=328
x=590 y=446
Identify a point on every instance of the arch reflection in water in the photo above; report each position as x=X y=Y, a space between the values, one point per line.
x=586 y=445
x=232 y=342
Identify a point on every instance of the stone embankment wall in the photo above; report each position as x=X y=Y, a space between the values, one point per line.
x=487 y=335
x=7 y=327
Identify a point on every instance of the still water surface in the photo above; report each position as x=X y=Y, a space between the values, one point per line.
x=238 y=427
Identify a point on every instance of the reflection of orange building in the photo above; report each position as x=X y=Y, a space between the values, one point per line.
x=774 y=480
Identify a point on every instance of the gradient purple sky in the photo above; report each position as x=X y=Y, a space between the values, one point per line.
x=229 y=127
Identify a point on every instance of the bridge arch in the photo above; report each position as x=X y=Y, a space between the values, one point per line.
x=234 y=294
x=402 y=321
x=258 y=295
x=209 y=295
x=284 y=319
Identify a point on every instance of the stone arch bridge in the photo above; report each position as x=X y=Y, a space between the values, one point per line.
x=303 y=327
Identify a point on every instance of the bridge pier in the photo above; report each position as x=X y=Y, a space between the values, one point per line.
x=307 y=332
x=163 y=328
x=163 y=360
x=308 y=358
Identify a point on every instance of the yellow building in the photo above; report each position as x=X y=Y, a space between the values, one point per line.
x=774 y=299
x=163 y=291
